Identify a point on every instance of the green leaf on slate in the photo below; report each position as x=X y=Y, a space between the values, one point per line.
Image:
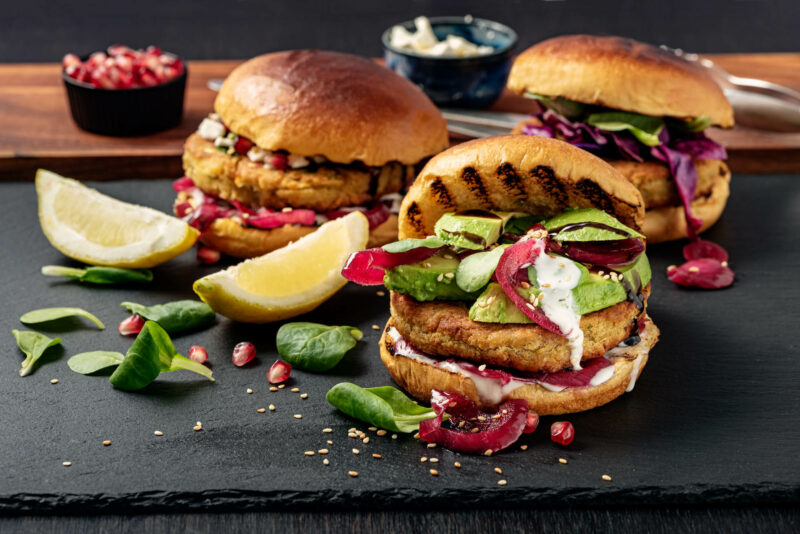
x=45 y=315
x=87 y=363
x=33 y=344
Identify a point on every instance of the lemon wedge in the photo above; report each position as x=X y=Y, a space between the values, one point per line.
x=289 y=281
x=88 y=226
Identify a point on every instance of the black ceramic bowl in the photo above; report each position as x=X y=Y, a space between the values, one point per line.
x=126 y=112
x=472 y=82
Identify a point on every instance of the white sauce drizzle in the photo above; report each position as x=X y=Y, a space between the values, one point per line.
x=634 y=373
x=557 y=277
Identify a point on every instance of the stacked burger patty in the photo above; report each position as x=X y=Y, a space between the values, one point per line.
x=299 y=138
x=520 y=273
x=642 y=109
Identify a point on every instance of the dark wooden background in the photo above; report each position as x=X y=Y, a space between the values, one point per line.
x=43 y=30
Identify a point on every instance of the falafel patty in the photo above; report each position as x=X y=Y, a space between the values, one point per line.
x=322 y=187
x=444 y=329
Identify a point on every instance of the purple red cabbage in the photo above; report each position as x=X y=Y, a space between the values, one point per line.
x=676 y=150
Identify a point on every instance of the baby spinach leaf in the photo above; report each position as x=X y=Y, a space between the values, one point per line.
x=405 y=245
x=87 y=363
x=477 y=269
x=151 y=354
x=175 y=316
x=45 y=315
x=520 y=225
x=315 y=347
x=695 y=125
x=644 y=127
x=33 y=344
x=100 y=275
x=384 y=407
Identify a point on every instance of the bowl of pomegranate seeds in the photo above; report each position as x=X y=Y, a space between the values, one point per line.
x=124 y=91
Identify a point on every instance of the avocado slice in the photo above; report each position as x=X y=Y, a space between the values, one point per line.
x=588 y=225
x=475 y=271
x=472 y=229
x=596 y=293
x=494 y=306
x=431 y=279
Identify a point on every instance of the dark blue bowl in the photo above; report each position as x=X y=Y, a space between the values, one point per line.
x=474 y=82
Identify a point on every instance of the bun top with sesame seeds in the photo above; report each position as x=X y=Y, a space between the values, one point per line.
x=519 y=173
x=344 y=107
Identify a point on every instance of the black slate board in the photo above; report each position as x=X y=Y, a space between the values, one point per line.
x=714 y=419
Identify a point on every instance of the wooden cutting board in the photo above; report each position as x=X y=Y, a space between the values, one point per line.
x=36 y=129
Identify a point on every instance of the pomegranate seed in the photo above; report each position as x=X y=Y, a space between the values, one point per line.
x=198 y=354
x=243 y=146
x=562 y=432
x=131 y=326
x=124 y=63
x=279 y=372
x=279 y=161
x=207 y=255
x=97 y=59
x=243 y=353
x=532 y=423
x=120 y=50
x=153 y=50
x=71 y=60
x=148 y=80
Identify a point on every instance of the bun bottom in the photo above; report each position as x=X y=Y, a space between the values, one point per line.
x=229 y=237
x=669 y=223
x=418 y=378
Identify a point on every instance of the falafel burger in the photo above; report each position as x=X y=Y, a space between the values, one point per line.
x=642 y=109
x=520 y=273
x=301 y=137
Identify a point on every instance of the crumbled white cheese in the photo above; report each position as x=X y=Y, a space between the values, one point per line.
x=424 y=42
x=297 y=162
x=210 y=129
x=257 y=155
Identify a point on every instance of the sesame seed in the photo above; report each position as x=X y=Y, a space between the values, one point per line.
x=329 y=442
x=487 y=452
x=197 y=428
x=423 y=459
x=505 y=412
x=261 y=410
x=440 y=277
x=281 y=386
x=351 y=429
x=529 y=305
x=376 y=327
x=323 y=451
x=490 y=300
x=449 y=275
x=671 y=267
x=523 y=447
x=475 y=430
x=502 y=482
x=272 y=407
x=416 y=436
x=286 y=209
x=481 y=418
x=309 y=453
x=199 y=423
x=249 y=391
x=600 y=273
x=327 y=430
x=372 y=428
x=606 y=276
x=394 y=436
x=498 y=470
x=482 y=367
x=158 y=433
x=54 y=381
x=295 y=390
x=457 y=464
x=496 y=416
x=273 y=388
x=365 y=441
x=561 y=264
x=106 y=443
x=426 y=265
x=607 y=478
x=353 y=473
x=525 y=285
x=434 y=472
x=431 y=445
x=434 y=460
x=377 y=456
x=381 y=432
x=304 y=396
x=297 y=416
x=620 y=276
x=326 y=461
x=66 y=464
x=562 y=461
x=448 y=256
x=724 y=263
x=380 y=293
x=461 y=424
x=545 y=285
x=694 y=269
x=356 y=451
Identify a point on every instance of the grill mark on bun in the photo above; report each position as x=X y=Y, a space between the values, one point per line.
x=475 y=184
x=440 y=193
x=414 y=217
x=596 y=195
x=551 y=185
x=510 y=179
